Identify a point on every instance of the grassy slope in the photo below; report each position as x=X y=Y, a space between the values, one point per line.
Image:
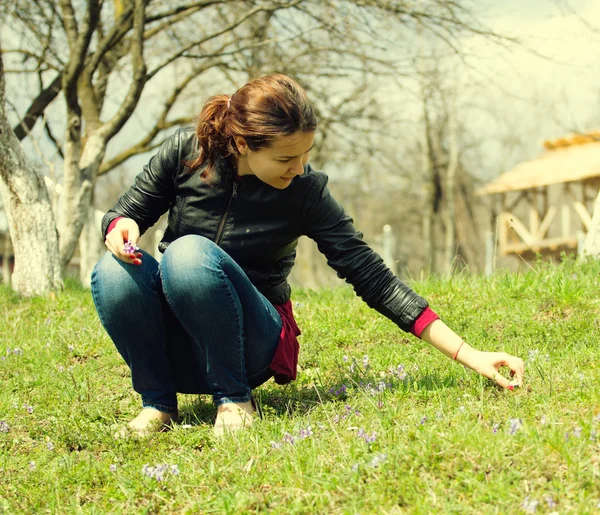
x=444 y=440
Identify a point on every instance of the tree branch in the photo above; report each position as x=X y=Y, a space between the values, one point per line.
x=139 y=80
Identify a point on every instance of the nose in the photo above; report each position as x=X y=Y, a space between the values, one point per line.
x=297 y=168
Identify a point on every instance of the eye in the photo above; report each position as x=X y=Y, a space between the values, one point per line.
x=283 y=160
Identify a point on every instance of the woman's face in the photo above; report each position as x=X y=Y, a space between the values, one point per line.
x=278 y=164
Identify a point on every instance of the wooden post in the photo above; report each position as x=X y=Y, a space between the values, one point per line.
x=534 y=215
x=388 y=241
x=566 y=214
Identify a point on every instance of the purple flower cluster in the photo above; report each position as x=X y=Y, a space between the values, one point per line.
x=28 y=408
x=348 y=411
x=398 y=372
x=130 y=248
x=366 y=437
x=113 y=468
x=4 y=426
x=337 y=392
x=17 y=351
x=50 y=446
x=158 y=472
x=288 y=438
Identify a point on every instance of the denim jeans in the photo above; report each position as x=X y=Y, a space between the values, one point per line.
x=192 y=324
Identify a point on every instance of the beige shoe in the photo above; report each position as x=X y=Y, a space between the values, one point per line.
x=149 y=421
x=234 y=416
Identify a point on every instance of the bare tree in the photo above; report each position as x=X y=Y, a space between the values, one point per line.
x=30 y=217
x=83 y=50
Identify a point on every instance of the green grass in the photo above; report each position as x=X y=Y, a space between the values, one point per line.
x=56 y=456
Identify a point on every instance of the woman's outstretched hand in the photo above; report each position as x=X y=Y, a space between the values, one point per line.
x=488 y=364
x=126 y=231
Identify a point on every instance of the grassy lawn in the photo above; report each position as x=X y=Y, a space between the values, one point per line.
x=377 y=422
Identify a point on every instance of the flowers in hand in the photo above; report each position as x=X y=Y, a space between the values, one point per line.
x=130 y=248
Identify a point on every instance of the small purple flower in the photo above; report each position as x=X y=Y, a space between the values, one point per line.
x=71 y=348
x=4 y=426
x=305 y=433
x=515 y=425
x=543 y=420
x=50 y=446
x=550 y=501
x=495 y=428
x=130 y=248
x=175 y=470
x=345 y=359
x=354 y=467
x=371 y=438
x=423 y=420
x=529 y=505
x=288 y=438
x=60 y=368
x=276 y=445
x=593 y=435
x=336 y=419
x=577 y=432
x=17 y=351
x=32 y=465
x=380 y=404
x=366 y=361
x=28 y=408
x=112 y=468
x=377 y=460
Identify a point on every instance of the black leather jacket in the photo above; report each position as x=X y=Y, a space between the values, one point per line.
x=259 y=226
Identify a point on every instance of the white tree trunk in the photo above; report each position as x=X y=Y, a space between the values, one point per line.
x=91 y=245
x=6 y=259
x=29 y=213
x=591 y=246
x=80 y=172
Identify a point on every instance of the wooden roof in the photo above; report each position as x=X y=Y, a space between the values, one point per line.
x=574 y=161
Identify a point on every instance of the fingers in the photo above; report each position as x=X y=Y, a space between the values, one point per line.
x=116 y=245
x=517 y=369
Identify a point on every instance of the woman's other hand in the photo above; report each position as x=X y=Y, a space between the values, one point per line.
x=488 y=364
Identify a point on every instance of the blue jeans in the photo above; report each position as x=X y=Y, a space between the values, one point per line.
x=192 y=324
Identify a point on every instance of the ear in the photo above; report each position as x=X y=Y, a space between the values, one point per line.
x=241 y=144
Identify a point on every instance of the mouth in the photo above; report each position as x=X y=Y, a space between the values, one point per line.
x=287 y=178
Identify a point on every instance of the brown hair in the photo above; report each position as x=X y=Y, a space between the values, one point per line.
x=261 y=111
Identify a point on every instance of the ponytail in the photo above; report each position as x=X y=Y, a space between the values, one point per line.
x=260 y=112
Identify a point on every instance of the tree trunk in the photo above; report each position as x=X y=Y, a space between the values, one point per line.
x=6 y=259
x=29 y=213
x=81 y=170
x=91 y=246
x=591 y=245
x=450 y=236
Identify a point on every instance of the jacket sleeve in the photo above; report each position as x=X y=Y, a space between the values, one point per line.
x=332 y=229
x=153 y=190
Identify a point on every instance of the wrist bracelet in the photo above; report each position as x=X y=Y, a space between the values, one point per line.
x=458 y=350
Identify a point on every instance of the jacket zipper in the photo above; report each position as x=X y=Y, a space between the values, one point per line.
x=226 y=214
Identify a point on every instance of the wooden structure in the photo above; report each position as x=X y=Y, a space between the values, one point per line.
x=545 y=206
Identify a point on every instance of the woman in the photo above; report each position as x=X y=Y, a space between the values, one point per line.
x=215 y=315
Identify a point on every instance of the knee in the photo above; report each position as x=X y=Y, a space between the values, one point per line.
x=189 y=260
x=118 y=280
